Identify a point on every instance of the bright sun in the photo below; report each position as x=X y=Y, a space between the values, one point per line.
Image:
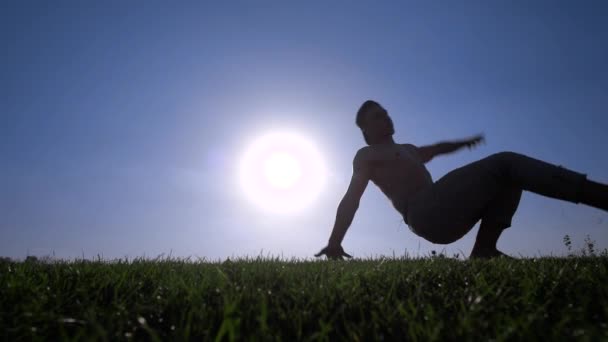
x=282 y=172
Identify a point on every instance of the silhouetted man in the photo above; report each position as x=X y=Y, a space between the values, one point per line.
x=444 y=211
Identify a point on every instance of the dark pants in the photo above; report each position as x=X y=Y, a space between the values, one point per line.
x=488 y=189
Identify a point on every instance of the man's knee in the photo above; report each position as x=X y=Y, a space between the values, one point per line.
x=500 y=165
x=505 y=155
x=506 y=159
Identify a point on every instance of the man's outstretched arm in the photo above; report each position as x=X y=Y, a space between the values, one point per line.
x=346 y=209
x=430 y=151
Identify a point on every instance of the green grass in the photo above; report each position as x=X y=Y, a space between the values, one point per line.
x=422 y=299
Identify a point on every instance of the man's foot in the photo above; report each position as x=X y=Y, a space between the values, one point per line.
x=487 y=254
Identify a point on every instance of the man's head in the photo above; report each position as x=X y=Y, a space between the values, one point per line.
x=374 y=122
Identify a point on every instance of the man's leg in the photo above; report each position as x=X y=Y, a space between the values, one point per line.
x=496 y=218
x=539 y=177
x=462 y=197
x=487 y=237
x=595 y=195
x=491 y=227
x=548 y=180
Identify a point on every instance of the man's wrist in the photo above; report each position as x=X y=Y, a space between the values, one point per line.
x=333 y=242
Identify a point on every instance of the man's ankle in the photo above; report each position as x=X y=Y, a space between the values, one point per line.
x=483 y=249
x=483 y=252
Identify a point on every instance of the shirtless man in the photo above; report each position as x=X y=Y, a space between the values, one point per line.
x=443 y=211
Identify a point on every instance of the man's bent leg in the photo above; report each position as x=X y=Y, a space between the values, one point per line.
x=487 y=237
x=497 y=217
x=459 y=199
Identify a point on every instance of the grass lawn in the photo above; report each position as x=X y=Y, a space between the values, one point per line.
x=418 y=299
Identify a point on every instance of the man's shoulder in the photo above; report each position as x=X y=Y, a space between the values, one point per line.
x=407 y=145
x=363 y=150
x=361 y=155
x=365 y=153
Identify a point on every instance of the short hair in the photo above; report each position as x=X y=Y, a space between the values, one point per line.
x=365 y=107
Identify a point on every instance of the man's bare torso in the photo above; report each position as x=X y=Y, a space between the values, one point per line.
x=397 y=170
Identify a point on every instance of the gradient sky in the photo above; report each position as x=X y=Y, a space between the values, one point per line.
x=122 y=123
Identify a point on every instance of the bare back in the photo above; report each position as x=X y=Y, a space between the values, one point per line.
x=397 y=170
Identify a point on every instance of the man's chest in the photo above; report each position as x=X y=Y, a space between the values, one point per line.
x=391 y=157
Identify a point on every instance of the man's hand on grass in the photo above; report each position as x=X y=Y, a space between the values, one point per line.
x=333 y=252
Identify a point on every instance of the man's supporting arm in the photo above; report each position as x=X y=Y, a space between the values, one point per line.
x=350 y=202
x=344 y=218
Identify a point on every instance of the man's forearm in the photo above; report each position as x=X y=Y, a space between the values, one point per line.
x=448 y=147
x=344 y=217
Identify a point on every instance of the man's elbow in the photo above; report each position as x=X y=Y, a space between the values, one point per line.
x=426 y=159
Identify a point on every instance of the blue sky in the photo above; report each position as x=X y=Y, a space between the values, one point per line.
x=122 y=122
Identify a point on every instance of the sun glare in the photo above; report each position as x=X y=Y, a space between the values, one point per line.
x=282 y=172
